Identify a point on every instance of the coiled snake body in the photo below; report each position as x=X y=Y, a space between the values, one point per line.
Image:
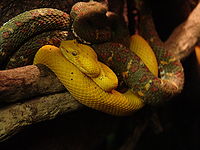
x=107 y=42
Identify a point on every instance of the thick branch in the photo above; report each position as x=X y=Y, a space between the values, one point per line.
x=16 y=116
x=184 y=37
x=26 y=82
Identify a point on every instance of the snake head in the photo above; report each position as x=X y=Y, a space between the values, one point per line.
x=82 y=56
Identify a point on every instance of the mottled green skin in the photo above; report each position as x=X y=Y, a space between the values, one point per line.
x=91 y=23
x=170 y=69
x=25 y=54
x=26 y=25
x=139 y=76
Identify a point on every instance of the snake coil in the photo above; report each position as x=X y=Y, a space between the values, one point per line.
x=90 y=22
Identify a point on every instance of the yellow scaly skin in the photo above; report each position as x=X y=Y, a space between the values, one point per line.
x=85 y=58
x=143 y=50
x=82 y=86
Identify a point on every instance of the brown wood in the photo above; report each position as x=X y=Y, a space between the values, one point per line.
x=183 y=39
x=26 y=82
x=16 y=116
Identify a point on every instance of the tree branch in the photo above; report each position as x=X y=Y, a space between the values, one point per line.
x=26 y=82
x=17 y=116
x=183 y=39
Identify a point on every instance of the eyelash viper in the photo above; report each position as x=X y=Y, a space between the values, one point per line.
x=106 y=40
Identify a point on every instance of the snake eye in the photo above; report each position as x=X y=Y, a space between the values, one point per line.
x=74 y=53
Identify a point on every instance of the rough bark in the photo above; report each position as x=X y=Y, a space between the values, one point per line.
x=183 y=39
x=16 y=116
x=23 y=84
x=26 y=82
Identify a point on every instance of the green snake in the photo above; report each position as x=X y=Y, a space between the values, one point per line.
x=51 y=26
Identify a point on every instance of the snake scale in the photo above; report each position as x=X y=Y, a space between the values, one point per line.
x=91 y=23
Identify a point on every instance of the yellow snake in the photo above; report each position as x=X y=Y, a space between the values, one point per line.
x=91 y=82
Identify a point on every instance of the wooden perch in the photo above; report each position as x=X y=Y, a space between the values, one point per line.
x=16 y=116
x=183 y=39
x=22 y=84
x=26 y=82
